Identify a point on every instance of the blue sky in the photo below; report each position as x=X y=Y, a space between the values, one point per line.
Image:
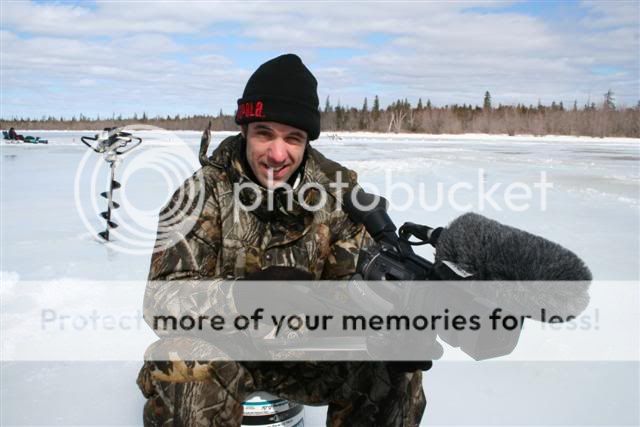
x=167 y=58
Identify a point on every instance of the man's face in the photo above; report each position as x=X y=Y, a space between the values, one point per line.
x=274 y=151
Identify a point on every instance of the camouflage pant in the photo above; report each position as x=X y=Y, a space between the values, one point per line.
x=357 y=393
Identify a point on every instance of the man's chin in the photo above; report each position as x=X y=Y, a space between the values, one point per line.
x=273 y=184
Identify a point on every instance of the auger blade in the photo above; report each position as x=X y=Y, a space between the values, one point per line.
x=115 y=184
x=105 y=194
x=114 y=205
x=106 y=215
x=104 y=235
x=112 y=224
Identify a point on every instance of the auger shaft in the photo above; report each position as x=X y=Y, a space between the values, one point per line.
x=113 y=185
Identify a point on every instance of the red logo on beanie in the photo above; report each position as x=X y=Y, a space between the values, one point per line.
x=250 y=110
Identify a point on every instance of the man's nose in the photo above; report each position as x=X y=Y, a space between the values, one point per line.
x=277 y=152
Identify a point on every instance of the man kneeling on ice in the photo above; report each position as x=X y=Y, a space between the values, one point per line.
x=278 y=114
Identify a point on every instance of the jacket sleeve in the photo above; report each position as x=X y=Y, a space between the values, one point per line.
x=182 y=276
x=183 y=281
x=349 y=243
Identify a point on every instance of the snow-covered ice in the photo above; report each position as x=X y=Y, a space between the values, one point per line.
x=50 y=211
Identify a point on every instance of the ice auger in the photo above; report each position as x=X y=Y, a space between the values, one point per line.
x=111 y=143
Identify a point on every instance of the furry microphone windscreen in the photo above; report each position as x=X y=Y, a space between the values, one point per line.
x=491 y=251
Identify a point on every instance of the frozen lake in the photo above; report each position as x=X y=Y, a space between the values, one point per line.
x=50 y=208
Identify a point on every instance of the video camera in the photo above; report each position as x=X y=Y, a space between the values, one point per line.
x=486 y=265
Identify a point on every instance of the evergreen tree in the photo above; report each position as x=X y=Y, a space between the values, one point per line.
x=363 y=122
x=486 y=105
x=609 y=101
x=419 y=107
x=327 y=105
x=375 y=111
x=339 y=116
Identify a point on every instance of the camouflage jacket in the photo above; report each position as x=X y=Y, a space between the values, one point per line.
x=218 y=240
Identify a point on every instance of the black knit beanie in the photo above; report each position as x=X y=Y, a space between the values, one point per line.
x=282 y=90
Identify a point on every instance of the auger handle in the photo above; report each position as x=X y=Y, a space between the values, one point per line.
x=82 y=138
x=127 y=149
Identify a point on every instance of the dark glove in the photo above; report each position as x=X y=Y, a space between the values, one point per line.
x=277 y=298
x=280 y=273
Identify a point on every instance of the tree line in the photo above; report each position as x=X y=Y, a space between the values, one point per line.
x=593 y=119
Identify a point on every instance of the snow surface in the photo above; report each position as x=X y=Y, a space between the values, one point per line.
x=50 y=214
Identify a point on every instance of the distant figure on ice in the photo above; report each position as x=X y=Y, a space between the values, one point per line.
x=14 y=135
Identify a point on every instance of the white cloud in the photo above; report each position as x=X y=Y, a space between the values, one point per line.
x=135 y=54
x=612 y=13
